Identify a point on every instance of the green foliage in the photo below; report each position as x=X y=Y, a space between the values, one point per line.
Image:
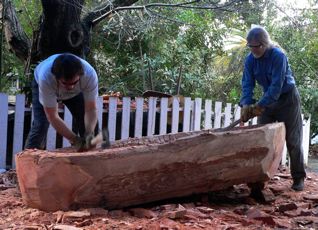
x=163 y=53
x=28 y=14
x=13 y=79
x=299 y=38
x=138 y=50
x=12 y=70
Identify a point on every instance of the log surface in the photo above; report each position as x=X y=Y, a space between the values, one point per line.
x=149 y=169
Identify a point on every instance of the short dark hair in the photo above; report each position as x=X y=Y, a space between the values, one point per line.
x=67 y=66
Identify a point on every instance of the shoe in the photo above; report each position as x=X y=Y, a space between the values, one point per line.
x=298 y=184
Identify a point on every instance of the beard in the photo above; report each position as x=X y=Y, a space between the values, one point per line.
x=257 y=55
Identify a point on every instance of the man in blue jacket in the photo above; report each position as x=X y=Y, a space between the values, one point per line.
x=268 y=65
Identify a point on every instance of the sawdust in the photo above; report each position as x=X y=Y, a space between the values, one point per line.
x=230 y=209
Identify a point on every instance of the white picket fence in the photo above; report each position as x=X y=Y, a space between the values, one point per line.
x=195 y=117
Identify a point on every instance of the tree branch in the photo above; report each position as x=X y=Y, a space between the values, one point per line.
x=97 y=16
x=104 y=9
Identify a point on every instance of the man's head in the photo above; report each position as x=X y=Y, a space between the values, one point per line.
x=258 y=40
x=67 y=69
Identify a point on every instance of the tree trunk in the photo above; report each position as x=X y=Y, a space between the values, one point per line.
x=15 y=36
x=62 y=28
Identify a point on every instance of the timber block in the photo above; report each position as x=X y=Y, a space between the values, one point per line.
x=149 y=169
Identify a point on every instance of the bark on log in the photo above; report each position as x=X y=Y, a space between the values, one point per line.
x=149 y=169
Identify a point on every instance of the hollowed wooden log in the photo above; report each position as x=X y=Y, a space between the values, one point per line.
x=149 y=169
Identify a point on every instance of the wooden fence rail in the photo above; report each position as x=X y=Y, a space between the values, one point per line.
x=125 y=118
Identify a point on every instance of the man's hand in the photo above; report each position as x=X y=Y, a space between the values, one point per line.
x=250 y=111
x=82 y=144
x=257 y=110
x=88 y=141
x=79 y=144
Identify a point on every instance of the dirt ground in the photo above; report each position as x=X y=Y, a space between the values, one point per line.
x=279 y=208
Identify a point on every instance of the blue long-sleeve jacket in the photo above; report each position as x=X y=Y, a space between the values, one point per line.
x=272 y=72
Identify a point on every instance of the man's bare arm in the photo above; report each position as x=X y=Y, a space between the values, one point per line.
x=90 y=116
x=59 y=125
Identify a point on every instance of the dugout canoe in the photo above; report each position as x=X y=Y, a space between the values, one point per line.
x=144 y=170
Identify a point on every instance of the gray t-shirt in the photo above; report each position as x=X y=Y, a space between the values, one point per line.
x=50 y=91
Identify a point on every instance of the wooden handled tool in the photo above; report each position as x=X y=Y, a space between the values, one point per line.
x=103 y=138
x=229 y=127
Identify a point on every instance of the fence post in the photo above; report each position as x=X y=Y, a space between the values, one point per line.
x=125 y=120
x=228 y=114
x=139 y=116
x=237 y=112
x=68 y=121
x=18 y=126
x=208 y=114
x=4 y=128
x=197 y=114
x=51 y=138
x=112 y=114
x=306 y=138
x=163 y=115
x=175 y=115
x=187 y=114
x=151 y=116
x=217 y=114
x=100 y=111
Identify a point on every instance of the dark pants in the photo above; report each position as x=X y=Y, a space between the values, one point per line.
x=40 y=124
x=288 y=110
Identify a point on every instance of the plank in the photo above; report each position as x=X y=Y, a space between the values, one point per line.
x=208 y=114
x=51 y=138
x=4 y=128
x=186 y=114
x=125 y=121
x=139 y=116
x=100 y=111
x=217 y=114
x=197 y=114
x=151 y=116
x=68 y=119
x=175 y=114
x=227 y=114
x=112 y=115
x=163 y=115
x=18 y=126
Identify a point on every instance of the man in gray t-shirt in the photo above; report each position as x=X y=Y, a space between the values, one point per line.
x=68 y=79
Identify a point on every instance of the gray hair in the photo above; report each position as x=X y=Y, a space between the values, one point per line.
x=259 y=34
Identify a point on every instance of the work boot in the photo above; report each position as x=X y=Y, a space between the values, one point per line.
x=298 y=184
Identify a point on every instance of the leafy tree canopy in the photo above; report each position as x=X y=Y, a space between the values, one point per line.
x=146 y=44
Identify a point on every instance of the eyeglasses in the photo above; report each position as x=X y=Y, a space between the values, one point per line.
x=66 y=83
x=253 y=46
